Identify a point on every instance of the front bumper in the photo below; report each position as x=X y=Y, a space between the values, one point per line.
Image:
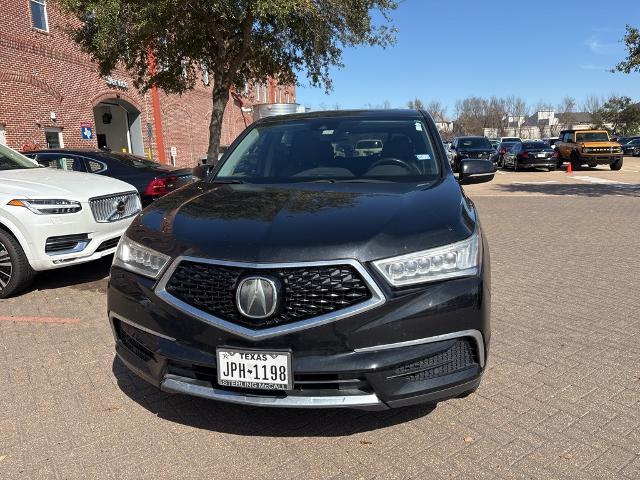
x=424 y=344
x=538 y=162
x=599 y=159
x=33 y=231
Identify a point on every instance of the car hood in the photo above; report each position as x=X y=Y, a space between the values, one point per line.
x=59 y=184
x=305 y=222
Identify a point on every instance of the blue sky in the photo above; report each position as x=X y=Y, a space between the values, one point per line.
x=450 y=49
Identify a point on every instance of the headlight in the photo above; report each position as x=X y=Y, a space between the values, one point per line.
x=47 y=207
x=455 y=260
x=139 y=259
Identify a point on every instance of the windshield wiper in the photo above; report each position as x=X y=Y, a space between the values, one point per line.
x=365 y=180
x=227 y=181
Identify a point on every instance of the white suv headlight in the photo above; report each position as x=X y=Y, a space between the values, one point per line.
x=459 y=259
x=47 y=206
x=139 y=259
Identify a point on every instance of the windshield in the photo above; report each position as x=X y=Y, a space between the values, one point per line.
x=508 y=145
x=476 y=142
x=12 y=160
x=535 y=146
x=332 y=149
x=592 y=137
x=511 y=139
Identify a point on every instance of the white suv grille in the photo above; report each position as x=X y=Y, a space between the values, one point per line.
x=115 y=207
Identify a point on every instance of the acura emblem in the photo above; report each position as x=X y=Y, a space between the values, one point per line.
x=257 y=297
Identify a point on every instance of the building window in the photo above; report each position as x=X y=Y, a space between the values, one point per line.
x=53 y=137
x=3 y=138
x=39 y=14
x=257 y=89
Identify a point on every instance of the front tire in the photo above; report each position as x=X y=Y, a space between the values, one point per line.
x=575 y=162
x=617 y=165
x=15 y=271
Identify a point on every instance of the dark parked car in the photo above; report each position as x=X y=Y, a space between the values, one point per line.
x=632 y=148
x=293 y=277
x=498 y=157
x=151 y=179
x=530 y=155
x=470 y=147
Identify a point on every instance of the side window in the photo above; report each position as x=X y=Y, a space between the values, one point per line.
x=47 y=160
x=61 y=162
x=94 y=166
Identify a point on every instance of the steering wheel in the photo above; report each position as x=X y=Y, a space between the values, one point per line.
x=395 y=161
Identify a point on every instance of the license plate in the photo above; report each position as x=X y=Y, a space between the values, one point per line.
x=542 y=155
x=254 y=369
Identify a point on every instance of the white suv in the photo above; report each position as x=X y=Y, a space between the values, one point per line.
x=54 y=218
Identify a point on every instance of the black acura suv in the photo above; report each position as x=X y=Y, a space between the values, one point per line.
x=294 y=275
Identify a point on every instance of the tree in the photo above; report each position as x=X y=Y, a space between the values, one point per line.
x=593 y=106
x=437 y=111
x=632 y=43
x=622 y=114
x=235 y=41
x=415 y=104
x=566 y=115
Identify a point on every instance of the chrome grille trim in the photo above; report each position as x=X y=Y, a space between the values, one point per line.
x=104 y=208
x=377 y=299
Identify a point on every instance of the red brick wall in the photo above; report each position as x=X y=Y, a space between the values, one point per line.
x=43 y=72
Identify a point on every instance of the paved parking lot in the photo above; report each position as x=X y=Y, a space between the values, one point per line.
x=560 y=399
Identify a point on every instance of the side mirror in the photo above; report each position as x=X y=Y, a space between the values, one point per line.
x=202 y=171
x=476 y=171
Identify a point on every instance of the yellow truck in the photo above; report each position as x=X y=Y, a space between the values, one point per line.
x=588 y=147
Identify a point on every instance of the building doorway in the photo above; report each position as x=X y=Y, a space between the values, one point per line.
x=118 y=126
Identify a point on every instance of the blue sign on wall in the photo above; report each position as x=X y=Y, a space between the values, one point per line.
x=87 y=132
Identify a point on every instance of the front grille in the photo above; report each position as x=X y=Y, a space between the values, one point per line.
x=66 y=244
x=459 y=356
x=108 y=244
x=132 y=344
x=306 y=291
x=115 y=207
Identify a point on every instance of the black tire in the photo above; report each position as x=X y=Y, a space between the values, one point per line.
x=617 y=165
x=575 y=162
x=515 y=164
x=15 y=271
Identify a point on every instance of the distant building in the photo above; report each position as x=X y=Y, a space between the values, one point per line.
x=52 y=96
x=542 y=124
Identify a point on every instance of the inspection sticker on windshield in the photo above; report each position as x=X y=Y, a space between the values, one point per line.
x=423 y=156
x=327 y=132
x=418 y=126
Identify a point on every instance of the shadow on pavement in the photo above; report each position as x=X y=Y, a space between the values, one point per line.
x=258 y=421
x=577 y=189
x=91 y=276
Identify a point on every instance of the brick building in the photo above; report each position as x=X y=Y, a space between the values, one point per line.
x=52 y=95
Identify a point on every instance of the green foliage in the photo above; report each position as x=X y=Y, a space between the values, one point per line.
x=238 y=40
x=622 y=114
x=632 y=44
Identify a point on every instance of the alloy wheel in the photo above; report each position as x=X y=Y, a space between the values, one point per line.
x=6 y=267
